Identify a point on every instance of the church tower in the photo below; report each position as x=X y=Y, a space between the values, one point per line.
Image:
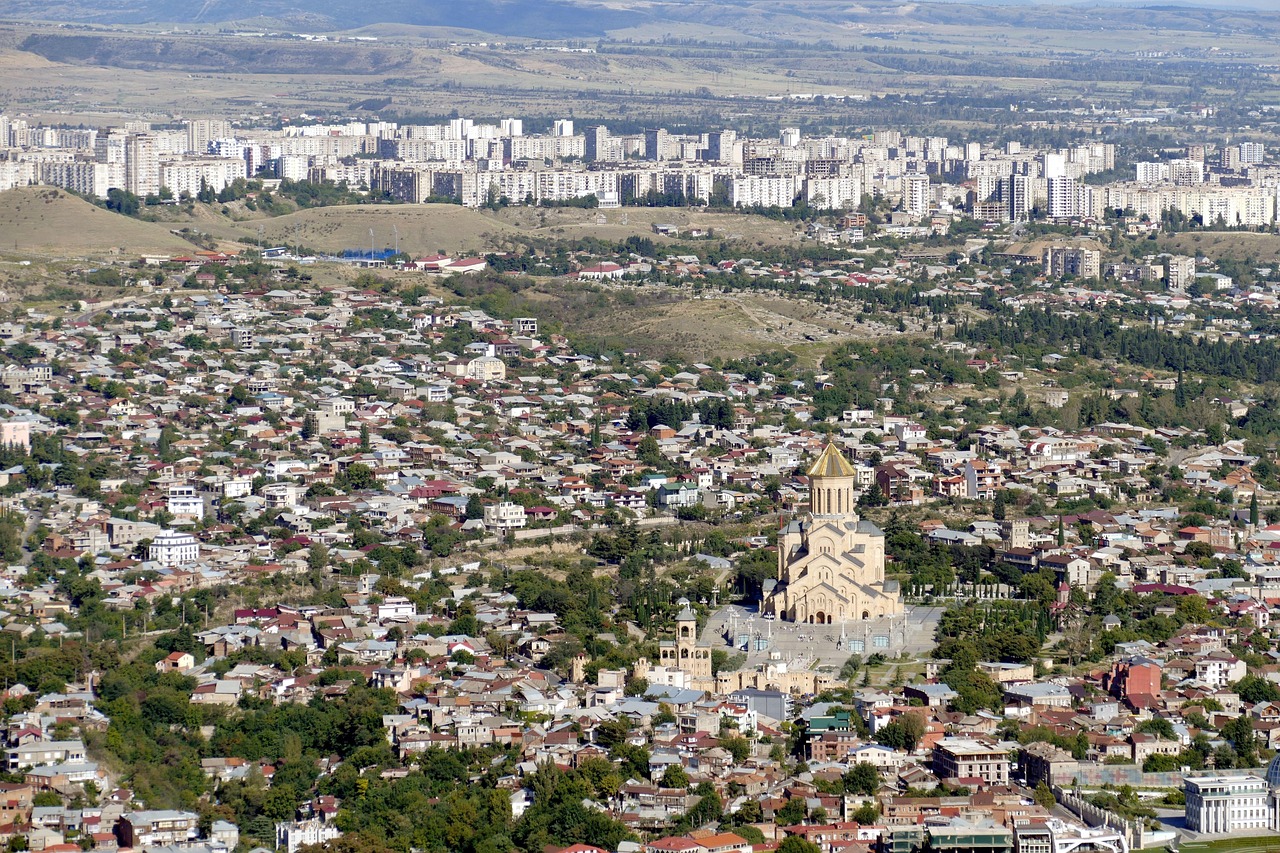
x=692 y=658
x=832 y=482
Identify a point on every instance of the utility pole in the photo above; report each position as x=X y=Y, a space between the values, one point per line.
x=396 y=231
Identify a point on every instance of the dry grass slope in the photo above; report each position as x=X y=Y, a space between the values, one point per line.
x=423 y=228
x=46 y=221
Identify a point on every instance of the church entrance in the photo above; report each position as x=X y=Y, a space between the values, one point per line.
x=821 y=618
x=866 y=614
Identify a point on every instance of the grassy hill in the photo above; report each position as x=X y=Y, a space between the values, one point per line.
x=48 y=221
x=424 y=228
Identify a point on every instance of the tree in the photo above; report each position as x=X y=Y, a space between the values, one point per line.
x=903 y=733
x=317 y=557
x=123 y=202
x=357 y=477
x=647 y=451
x=862 y=778
x=872 y=497
x=1062 y=533
x=1253 y=510
x=1240 y=732
x=998 y=508
x=1254 y=689
x=1043 y=796
x=737 y=746
x=791 y=814
x=708 y=809
x=475 y=508
x=796 y=844
x=675 y=777
x=364 y=438
x=866 y=814
x=1159 y=727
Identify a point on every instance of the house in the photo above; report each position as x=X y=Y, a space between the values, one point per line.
x=176 y=662
x=39 y=752
x=157 y=828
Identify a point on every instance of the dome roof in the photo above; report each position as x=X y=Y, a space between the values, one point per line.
x=1273 y=772
x=832 y=464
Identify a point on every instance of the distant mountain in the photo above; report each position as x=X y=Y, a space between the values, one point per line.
x=536 y=18
x=585 y=19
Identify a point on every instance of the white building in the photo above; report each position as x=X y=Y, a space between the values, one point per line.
x=1180 y=271
x=834 y=193
x=84 y=177
x=44 y=752
x=185 y=502
x=202 y=131
x=917 y=194
x=761 y=191
x=172 y=548
x=504 y=516
x=291 y=835
x=142 y=165
x=1227 y=804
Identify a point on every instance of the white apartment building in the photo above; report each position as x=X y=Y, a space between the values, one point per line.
x=294 y=834
x=834 y=193
x=142 y=165
x=917 y=194
x=1152 y=173
x=172 y=548
x=504 y=516
x=84 y=177
x=200 y=132
x=761 y=191
x=44 y=752
x=1228 y=804
x=1180 y=271
x=185 y=502
x=1072 y=260
x=190 y=176
x=1068 y=198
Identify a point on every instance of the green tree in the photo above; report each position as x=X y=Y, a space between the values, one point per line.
x=647 y=451
x=873 y=497
x=1254 y=689
x=866 y=814
x=903 y=733
x=796 y=844
x=791 y=814
x=1159 y=727
x=675 y=777
x=862 y=778
x=1243 y=739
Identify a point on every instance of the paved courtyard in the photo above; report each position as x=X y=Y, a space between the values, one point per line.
x=806 y=646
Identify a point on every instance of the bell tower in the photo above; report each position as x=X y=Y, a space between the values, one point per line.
x=690 y=656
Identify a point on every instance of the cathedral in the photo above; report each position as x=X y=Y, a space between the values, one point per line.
x=831 y=564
